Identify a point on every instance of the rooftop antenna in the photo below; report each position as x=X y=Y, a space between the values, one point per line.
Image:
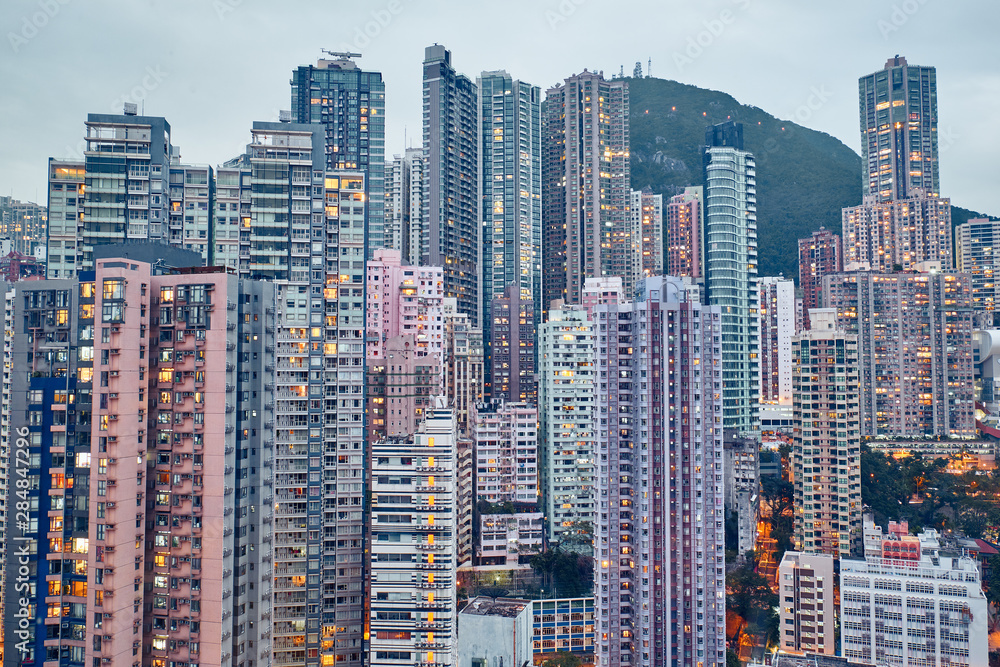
x=343 y=55
x=649 y=69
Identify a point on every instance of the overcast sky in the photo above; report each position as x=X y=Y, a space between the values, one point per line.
x=211 y=67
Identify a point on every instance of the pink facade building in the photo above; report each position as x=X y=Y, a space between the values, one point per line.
x=155 y=494
x=915 y=348
x=683 y=223
x=401 y=300
x=659 y=580
x=819 y=255
x=401 y=387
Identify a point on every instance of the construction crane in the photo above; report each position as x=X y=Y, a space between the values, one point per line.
x=342 y=55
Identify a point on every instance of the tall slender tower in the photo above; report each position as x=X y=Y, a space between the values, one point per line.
x=451 y=150
x=308 y=233
x=659 y=579
x=350 y=104
x=819 y=255
x=899 y=123
x=826 y=450
x=586 y=189
x=730 y=269
x=510 y=189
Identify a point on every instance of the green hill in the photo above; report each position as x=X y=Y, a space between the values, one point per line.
x=804 y=177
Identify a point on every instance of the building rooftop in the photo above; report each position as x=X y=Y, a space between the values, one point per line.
x=487 y=606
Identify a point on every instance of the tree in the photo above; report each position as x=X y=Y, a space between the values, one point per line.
x=750 y=596
x=732 y=660
x=563 y=659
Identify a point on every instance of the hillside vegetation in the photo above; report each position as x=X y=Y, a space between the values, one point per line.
x=804 y=177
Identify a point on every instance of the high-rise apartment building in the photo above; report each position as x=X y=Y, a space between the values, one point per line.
x=684 y=220
x=510 y=363
x=915 y=350
x=65 y=226
x=230 y=235
x=646 y=211
x=510 y=188
x=922 y=607
x=127 y=194
x=505 y=437
x=819 y=255
x=401 y=386
x=143 y=409
x=23 y=224
x=975 y=254
x=741 y=466
x=404 y=300
x=464 y=375
x=826 y=446
x=190 y=217
x=451 y=180
x=659 y=577
x=308 y=235
x=585 y=188
x=414 y=548
x=806 y=604
x=883 y=236
x=730 y=269
x=404 y=201
x=600 y=290
x=350 y=105
x=566 y=405
x=899 y=124
x=777 y=326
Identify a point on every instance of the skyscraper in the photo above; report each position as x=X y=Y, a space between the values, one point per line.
x=566 y=405
x=659 y=584
x=683 y=220
x=404 y=201
x=414 y=548
x=402 y=300
x=879 y=236
x=143 y=409
x=65 y=227
x=915 y=347
x=350 y=104
x=899 y=123
x=308 y=235
x=819 y=255
x=976 y=252
x=510 y=368
x=730 y=269
x=127 y=164
x=505 y=438
x=826 y=450
x=777 y=326
x=585 y=189
x=464 y=376
x=646 y=235
x=510 y=190
x=451 y=178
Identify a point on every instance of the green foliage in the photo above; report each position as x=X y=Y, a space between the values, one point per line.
x=750 y=596
x=563 y=659
x=732 y=660
x=919 y=490
x=565 y=574
x=804 y=177
x=778 y=497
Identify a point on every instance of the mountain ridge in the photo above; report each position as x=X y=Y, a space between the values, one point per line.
x=804 y=176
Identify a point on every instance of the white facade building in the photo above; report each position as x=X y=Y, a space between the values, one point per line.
x=909 y=603
x=566 y=403
x=777 y=326
x=505 y=437
x=806 y=605
x=414 y=546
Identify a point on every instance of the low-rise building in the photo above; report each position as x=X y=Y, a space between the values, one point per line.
x=495 y=631
x=563 y=625
x=509 y=539
x=806 y=605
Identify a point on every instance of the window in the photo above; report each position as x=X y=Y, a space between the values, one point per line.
x=114 y=288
